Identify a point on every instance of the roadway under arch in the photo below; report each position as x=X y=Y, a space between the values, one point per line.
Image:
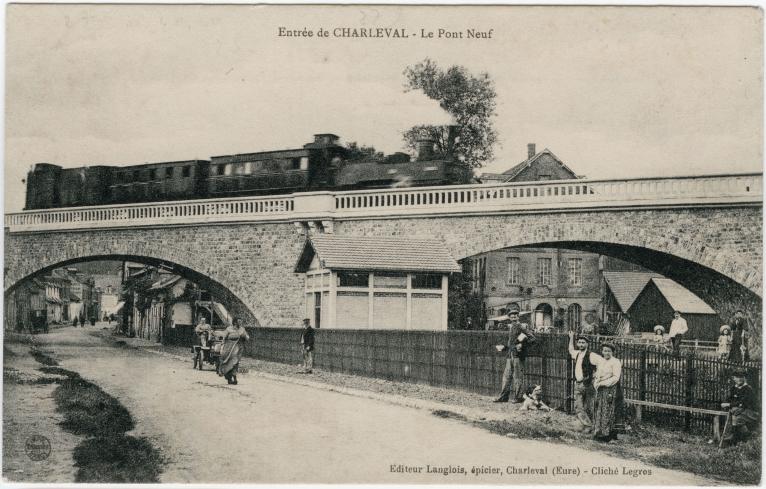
x=221 y=292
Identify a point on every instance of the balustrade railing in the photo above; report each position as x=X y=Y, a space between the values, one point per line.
x=568 y=193
x=167 y=213
x=468 y=199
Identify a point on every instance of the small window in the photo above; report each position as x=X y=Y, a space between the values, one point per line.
x=514 y=270
x=544 y=271
x=221 y=169
x=575 y=271
x=169 y=172
x=295 y=164
x=227 y=169
x=304 y=163
x=426 y=281
x=186 y=172
x=351 y=279
x=249 y=168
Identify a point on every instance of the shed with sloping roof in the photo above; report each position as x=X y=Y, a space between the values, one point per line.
x=376 y=282
x=661 y=297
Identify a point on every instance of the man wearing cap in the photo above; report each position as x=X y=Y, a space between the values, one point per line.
x=307 y=346
x=519 y=339
x=743 y=410
x=585 y=365
x=678 y=329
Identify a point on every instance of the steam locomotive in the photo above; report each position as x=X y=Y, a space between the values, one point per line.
x=320 y=165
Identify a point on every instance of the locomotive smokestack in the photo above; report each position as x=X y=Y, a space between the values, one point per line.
x=425 y=148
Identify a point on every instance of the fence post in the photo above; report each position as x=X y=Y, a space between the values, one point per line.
x=642 y=377
x=689 y=377
x=569 y=385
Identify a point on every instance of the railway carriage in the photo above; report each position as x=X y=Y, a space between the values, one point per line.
x=322 y=164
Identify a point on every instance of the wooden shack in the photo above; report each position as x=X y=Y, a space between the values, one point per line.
x=660 y=298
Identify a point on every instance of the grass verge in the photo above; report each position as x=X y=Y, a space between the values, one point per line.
x=740 y=464
x=108 y=455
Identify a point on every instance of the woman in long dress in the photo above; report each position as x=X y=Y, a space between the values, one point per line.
x=233 y=344
x=606 y=384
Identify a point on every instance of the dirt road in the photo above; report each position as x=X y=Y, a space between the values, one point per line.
x=268 y=431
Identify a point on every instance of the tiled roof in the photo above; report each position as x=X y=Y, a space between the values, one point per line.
x=626 y=286
x=384 y=253
x=511 y=173
x=680 y=298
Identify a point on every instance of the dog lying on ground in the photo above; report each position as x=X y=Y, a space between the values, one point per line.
x=534 y=401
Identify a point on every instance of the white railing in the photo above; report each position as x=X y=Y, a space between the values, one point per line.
x=153 y=214
x=562 y=195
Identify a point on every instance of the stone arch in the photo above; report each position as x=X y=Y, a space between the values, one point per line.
x=722 y=292
x=693 y=248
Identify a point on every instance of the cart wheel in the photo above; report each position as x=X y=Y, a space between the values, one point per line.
x=199 y=359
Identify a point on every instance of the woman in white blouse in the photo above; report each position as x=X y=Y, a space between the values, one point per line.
x=605 y=382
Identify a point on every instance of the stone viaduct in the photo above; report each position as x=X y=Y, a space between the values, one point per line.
x=703 y=232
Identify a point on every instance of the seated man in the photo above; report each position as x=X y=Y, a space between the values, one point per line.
x=743 y=411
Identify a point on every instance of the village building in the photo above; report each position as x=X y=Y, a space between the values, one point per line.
x=620 y=290
x=376 y=282
x=537 y=167
x=660 y=297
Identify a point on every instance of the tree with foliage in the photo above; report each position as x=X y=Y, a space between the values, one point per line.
x=471 y=102
x=358 y=153
x=463 y=303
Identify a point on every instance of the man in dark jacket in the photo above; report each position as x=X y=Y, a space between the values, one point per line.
x=743 y=410
x=585 y=362
x=307 y=346
x=519 y=339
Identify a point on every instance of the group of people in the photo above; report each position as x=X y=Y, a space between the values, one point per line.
x=597 y=389
x=232 y=346
x=732 y=341
x=597 y=378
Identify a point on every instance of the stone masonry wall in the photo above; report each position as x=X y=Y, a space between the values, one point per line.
x=254 y=262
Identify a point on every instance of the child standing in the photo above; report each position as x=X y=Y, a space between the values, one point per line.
x=724 y=343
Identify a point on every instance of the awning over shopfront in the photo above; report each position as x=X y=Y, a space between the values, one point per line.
x=222 y=313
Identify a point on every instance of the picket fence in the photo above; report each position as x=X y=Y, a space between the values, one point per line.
x=468 y=360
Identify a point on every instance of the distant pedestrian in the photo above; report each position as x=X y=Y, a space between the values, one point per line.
x=739 y=333
x=743 y=411
x=608 y=402
x=519 y=339
x=231 y=351
x=76 y=321
x=590 y=326
x=307 y=346
x=724 y=343
x=678 y=329
x=585 y=366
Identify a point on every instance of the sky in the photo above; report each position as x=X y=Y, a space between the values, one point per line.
x=615 y=92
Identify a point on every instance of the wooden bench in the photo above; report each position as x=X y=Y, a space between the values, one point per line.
x=715 y=413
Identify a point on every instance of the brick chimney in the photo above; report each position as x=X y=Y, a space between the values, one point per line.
x=531 y=150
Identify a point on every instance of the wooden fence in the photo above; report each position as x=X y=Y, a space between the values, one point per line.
x=468 y=360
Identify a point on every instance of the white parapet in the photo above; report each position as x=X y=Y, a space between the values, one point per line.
x=503 y=198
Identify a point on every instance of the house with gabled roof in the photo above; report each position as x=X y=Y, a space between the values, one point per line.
x=538 y=166
x=376 y=282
